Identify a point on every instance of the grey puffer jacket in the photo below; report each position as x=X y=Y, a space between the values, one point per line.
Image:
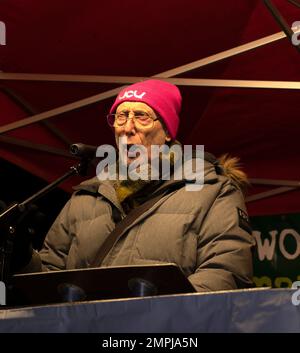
x=206 y=233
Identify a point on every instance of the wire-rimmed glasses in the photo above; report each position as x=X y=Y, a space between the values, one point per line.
x=142 y=120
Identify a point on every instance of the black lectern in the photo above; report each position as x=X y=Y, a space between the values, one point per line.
x=97 y=284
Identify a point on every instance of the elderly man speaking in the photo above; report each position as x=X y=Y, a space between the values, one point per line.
x=204 y=231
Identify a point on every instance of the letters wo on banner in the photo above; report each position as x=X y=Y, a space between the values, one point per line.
x=276 y=260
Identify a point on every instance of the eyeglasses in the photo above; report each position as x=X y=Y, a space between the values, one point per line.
x=142 y=120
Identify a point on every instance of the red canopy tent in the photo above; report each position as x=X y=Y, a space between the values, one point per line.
x=64 y=62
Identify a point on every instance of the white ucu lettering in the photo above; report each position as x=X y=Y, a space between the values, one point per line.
x=129 y=94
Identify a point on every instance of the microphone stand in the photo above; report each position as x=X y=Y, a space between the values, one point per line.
x=8 y=218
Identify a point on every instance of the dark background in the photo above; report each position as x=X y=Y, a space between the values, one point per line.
x=16 y=185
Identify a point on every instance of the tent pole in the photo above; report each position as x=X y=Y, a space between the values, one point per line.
x=281 y=20
x=263 y=195
x=286 y=185
x=274 y=182
x=35 y=146
x=29 y=109
x=294 y=2
x=177 y=81
x=165 y=74
x=101 y=96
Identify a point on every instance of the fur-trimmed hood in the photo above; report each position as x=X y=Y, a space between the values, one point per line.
x=232 y=169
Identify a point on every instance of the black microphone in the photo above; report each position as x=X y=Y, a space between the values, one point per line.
x=83 y=151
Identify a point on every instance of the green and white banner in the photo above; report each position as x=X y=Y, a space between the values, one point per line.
x=277 y=254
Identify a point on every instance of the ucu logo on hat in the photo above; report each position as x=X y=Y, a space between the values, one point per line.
x=130 y=94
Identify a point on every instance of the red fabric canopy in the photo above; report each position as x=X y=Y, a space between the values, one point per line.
x=134 y=38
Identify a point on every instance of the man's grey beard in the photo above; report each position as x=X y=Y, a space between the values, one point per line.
x=134 y=176
x=158 y=169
